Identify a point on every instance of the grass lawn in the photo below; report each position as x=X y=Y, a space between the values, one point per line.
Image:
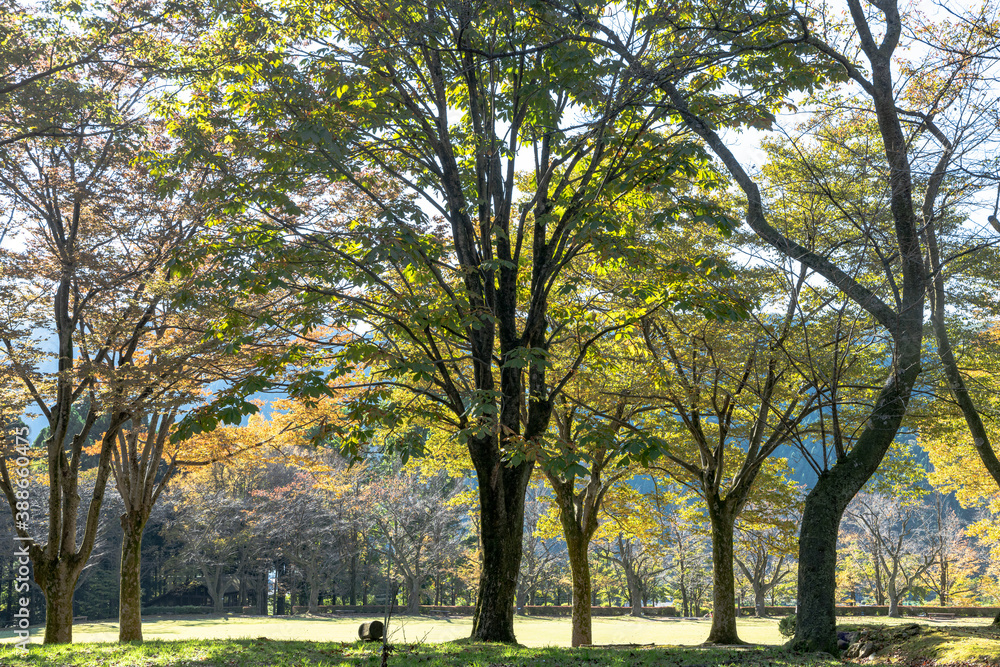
x=422 y=641
x=531 y=631
x=269 y=653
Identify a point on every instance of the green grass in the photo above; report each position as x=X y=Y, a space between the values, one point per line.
x=429 y=642
x=969 y=645
x=530 y=631
x=269 y=653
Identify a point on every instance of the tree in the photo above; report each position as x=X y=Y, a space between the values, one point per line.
x=766 y=532
x=733 y=397
x=431 y=104
x=579 y=490
x=542 y=554
x=891 y=535
x=144 y=458
x=90 y=274
x=631 y=539
x=952 y=576
x=419 y=527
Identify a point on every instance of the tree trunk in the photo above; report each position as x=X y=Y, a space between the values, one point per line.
x=893 y=606
x=579 y=565
x=723 y=582
x=58 y=589
x=685 y=605
x=413 y=603
x=818 y=570
x=262 y=591
x=893 y=594
x=501 y=507
x=634 y=590
x=759 y=601
x=943 y=580
x=130 y=590
x=879 y=588
x=215 y=589
x=313 y=595
x=353 y=590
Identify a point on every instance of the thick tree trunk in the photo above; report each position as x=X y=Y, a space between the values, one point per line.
x=130 y=591
x=579 y=565
x=501 y=507
x=723 y=582
x=817 y=570
x=58 y=589
x=216 y=589
x=634 y=591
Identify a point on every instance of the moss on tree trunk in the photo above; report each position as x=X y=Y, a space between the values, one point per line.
x=130 y=591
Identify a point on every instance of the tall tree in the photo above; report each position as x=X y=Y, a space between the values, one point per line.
x=441 y=251
x=88 y=272
x=733 y=396
x=863 y=53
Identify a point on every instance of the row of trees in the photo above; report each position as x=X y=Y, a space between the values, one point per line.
x=508 y=230
x=257 y=530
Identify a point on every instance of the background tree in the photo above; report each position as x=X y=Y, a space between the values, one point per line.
x=891 y=535
x=630 y=537
x=419 y=527
x=766 y=532
x=542 y=553
x=952 y=577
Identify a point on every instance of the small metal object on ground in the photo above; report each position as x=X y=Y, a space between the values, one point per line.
x=371 y=632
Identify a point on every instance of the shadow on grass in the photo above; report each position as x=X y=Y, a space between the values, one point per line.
x=270 y=653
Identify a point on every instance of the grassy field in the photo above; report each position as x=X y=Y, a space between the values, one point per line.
x=268 y=653
x=531 y=631
x=426 y=642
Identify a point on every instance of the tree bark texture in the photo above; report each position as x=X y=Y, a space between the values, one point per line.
x=58 y=587
x=130 y=590
x=723 y=583
x=501 y=506
x=579 y=563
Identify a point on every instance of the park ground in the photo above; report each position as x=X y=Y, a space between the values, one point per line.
x=254 y=641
